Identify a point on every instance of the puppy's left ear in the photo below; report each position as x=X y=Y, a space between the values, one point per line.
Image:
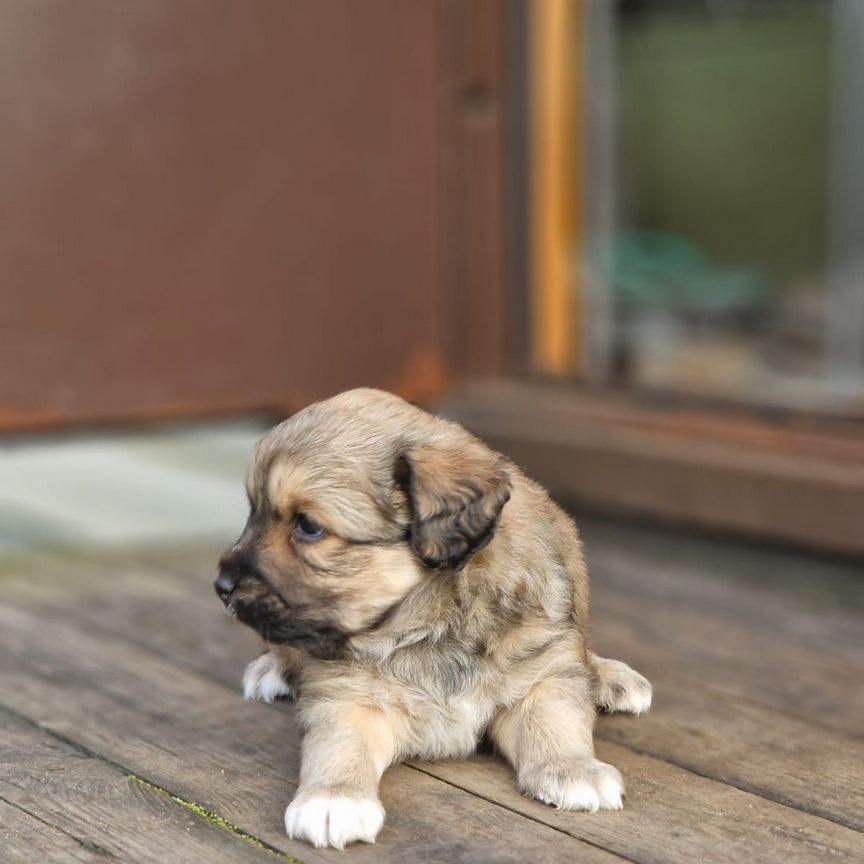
x=455 y=496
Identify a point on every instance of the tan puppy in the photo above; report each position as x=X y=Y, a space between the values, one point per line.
x=417 y=591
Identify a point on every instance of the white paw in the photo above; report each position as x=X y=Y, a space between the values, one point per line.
x=584 y=784
x=326 y=821
x=263 y=680
x=620 y=688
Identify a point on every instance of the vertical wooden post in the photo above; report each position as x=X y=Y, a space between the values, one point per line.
x=557 y=185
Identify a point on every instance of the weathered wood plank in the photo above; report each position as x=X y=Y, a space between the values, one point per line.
x=236 y=759
x=694 y=726
x=670 y=630
x=24 y=839
x=672 y=815
x=109 y=814
x=681 y=781
x=818 y=603
x=748 y=746
x=169 y=607
x=718 y=651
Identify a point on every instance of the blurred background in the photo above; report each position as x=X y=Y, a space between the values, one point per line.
x=623 y=241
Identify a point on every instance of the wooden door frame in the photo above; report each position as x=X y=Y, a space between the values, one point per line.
x=749 y=471
x=788 y=478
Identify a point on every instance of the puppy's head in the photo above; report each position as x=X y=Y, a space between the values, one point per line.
x=353 y=503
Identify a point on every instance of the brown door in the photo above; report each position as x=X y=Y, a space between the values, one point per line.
x=213 y=205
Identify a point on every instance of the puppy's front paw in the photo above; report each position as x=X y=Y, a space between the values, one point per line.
x=580 y=784
x=331 y=818
x=264 y=679
x=620 y=688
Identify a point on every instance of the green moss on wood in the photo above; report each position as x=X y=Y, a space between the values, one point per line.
x=213 y=819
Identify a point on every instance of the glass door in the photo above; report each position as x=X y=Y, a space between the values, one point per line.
x=698 y=198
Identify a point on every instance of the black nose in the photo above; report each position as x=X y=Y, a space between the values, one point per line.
x=224 y=585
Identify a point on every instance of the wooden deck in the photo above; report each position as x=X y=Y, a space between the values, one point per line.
x=125 y=737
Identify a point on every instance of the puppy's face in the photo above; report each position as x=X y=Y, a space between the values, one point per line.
x=353 y=502
x=321 y=558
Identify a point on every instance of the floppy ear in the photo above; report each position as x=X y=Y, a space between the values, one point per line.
x=455 y=496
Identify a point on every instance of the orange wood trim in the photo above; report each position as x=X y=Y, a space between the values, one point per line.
x=557 y=184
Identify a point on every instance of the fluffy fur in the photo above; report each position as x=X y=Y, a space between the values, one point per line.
x=442 y=596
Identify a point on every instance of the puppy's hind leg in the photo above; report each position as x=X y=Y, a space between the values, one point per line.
x=618 y=688
x=547 y=738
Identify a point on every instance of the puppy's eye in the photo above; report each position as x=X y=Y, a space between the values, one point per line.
x=306 y=529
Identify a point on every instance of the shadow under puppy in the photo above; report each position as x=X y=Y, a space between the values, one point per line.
x=418 y=591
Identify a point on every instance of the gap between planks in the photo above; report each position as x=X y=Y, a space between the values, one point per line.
x=689 y=697
x=814 y=827
x=793 y=679
x=251 y=793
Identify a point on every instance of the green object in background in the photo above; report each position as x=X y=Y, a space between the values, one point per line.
x=724 y=124
x=660 y=269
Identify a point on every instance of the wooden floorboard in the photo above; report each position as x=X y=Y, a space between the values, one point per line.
x=198 y=739
x=817 y=602
x=672 y=815
x=25 y=839
x=751 y=747
x=106 y=812
x=751 y=643
x=699 y=646
x=750 y=751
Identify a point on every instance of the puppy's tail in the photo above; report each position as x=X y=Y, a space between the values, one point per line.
x=619 y=688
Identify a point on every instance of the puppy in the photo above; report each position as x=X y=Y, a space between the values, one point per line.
x=416 y=590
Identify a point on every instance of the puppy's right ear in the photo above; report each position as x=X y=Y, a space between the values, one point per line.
x=455 y=495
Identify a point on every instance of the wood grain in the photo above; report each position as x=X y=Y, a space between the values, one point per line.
x=238 y=760
x=699 y=649
x=163 y=603
x=105 y=812
x=25 y=839
x=745 y=745
x=750 y=644
x=783 y=650
x=671 y=815
x=814 y=601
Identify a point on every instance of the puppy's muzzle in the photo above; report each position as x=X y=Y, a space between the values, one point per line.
x=233 y=568
x=248 y=595
x=225 y=586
